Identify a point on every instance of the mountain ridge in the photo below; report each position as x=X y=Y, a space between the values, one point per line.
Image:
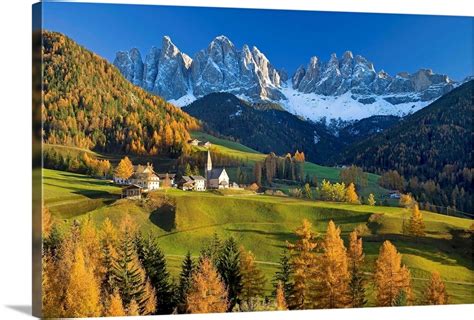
x=350 y=83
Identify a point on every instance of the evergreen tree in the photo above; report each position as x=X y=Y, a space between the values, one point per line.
x=213 y=250
x=391 y=277
x=283 y=276
x=185 y=280
x=154 y=263
x=435 y=293
x=208 y=292
x=228 y=265
x=128 y=275
x=330 y=284
x=355 y=257
x=303 y=260
x=253 y=280
x=416 y=226
x=187 y=170
x=371 y=200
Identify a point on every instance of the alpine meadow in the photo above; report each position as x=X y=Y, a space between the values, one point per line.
x=206 y=179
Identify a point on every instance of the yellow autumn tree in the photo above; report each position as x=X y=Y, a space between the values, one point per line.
x=371 y=200
x=90 y=244
x=391 y=277
x=124 y=169
x=115 y=306
x=435 y=292
x=207 y=293
x=351 y=194
x=303 y=260
x=330 y=284
x=280 y=302
x=416 y=226
x=46 y=223
x=83 y=292
x=355 y=256
x=133 y=309
x=253 y=280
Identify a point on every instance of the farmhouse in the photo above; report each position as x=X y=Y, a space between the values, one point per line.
x=194 y=142
x=206 y=144
x=216 y=178
x=196 y=183
x=143 y=176
x=132 y=192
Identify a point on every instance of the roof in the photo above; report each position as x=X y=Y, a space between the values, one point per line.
x=163 y=175
x=215 y=173
x=198 y=178
x=132 y=186
x=186 y=178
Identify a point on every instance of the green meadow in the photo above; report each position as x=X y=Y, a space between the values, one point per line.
x=185 y=221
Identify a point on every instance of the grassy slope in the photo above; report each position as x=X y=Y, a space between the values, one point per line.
x=329 y=173
x=262 y=224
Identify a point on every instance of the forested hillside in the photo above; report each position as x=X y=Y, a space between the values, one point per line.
x=88 y=104
x=265 y=127
x=431 y=149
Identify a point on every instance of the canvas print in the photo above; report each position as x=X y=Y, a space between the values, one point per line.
x=208 y=160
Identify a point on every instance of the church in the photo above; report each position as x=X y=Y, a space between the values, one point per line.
x=216 y=178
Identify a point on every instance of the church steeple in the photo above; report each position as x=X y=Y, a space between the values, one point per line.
x=208 y=167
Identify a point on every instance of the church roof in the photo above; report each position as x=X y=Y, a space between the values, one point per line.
x=215 y=173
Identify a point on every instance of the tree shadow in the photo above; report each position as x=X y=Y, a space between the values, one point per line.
x=164 y=217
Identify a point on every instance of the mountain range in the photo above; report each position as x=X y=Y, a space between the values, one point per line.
x=348 y=88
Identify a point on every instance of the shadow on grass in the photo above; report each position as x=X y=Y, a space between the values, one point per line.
x=458 y=249
x=164 y=217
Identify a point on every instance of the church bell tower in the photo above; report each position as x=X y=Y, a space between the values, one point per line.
x=208 y=166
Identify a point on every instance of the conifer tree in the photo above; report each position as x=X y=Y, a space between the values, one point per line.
x=303 y=260
x=307 y=191
x=124 y=169
x=435 y=293
x=228 y=265
x=208 y=292
x=133 y=308
x=416 y=226
x=391 y=277
x=185 y=279
x=128 y=275
x=355 y=257
x=83 y=292
x=280 y=301
x=213 y=250
x=351 y=195
x=253 y=280
x=154 y=262
x=330 y=285
x=187 y=170
x=115 y=306
x=283 y=276
x=371 y=200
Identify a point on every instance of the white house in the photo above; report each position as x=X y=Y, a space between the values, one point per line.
x=216 y=178
x=196 y=183
x=143 y=176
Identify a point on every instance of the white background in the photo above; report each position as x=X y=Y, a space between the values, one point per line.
x=15 y=154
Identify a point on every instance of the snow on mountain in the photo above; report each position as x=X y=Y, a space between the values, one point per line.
x=346 y=88
x=316 y=106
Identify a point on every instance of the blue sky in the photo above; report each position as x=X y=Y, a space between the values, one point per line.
x=394 y=43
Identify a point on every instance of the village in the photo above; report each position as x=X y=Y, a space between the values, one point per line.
x=144 y=179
